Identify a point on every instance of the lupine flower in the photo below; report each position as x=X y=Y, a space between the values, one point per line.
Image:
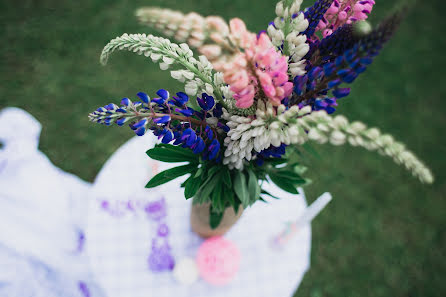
x=169 y=118
x=343 y=63
x=315 y=14
x=260 y=67
x=344 y=12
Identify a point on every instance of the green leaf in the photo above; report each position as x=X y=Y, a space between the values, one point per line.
x=227 y=177
x=191 y=187
x=205 y=189
x=172 y=154
x=269 y=194
x=199 y=172
x=216 y=197
x=309 y=148
x=215 y=218
x=241 y=188
x=170 y=174
x=228 y=194
x=284 y=184
x=213 y=170
x=253 y=186
x=289 y=175
x=276 y=161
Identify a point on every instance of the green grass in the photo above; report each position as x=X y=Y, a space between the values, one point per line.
x=384 y=233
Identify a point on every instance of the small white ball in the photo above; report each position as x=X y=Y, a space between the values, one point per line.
x=186 y=271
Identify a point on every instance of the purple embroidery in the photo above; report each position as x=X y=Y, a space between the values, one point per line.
x=84 y=289
x=160 y=259
x=156 y=210
x=80 y=241
x=105 y=205
x=163 y=230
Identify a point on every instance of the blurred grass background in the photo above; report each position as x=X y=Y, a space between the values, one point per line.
x=384 y=233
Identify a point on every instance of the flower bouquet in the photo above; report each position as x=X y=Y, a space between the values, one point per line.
x=252 y=101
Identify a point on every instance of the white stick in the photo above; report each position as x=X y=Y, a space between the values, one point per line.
x=305 y=218
x=314 y=209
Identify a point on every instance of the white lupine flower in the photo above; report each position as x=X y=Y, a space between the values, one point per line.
x=191 y=88
x=300 y=23
x=337 y=138
x=154 y=56
x=248 y=135
x=167 y=54
x=297 y=69
x=164 y=66
x=279 y=9
x=168 y=60
x=176 y=74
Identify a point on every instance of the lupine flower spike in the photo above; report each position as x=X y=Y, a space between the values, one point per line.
x=251 y=99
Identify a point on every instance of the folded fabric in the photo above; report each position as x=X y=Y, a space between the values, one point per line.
x=42 y=215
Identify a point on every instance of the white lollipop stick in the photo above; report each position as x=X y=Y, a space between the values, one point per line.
x=305 y=218
x=314 y=209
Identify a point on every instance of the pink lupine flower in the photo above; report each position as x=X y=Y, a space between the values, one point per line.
x=344 y=12
x=259 y=67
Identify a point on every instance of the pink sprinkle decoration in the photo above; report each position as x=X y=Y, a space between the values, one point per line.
x=218 y=260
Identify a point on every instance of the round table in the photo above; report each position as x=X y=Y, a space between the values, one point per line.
x=120 y=234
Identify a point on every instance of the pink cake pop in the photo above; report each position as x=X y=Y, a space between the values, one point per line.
x=218 y=260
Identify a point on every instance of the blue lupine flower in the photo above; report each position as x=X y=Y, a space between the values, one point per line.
x=271 y=152
x=168 y=137
x=187 y=112
x=213 y=149
x=144 y=97
x=140 y=131
x=126 y=102
x=218 y=110
x=163 y=94
x=314 y=14
x=199 y=146
x=209 y=132
x=110 y=106
x=162 y=120
x=120 y=121
x=167 y=126
x=341 y=92
x=139 y=124
x=206 y=102
x=338 y=42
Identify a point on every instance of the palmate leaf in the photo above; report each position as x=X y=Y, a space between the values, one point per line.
x=215 y=217
x=241 y=188
x=191 y=186
x=172 y=154
x=253 y=186
x=283 y=183
x=170 y=174
x=264 y=192
x=205 y=190
x=218 y=204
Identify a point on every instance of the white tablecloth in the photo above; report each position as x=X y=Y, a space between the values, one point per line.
x=43 y=214
x=120 y=235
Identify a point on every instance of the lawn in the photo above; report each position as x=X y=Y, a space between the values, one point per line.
x=384 y=233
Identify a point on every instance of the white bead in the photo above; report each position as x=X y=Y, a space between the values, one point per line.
x=186 y=271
